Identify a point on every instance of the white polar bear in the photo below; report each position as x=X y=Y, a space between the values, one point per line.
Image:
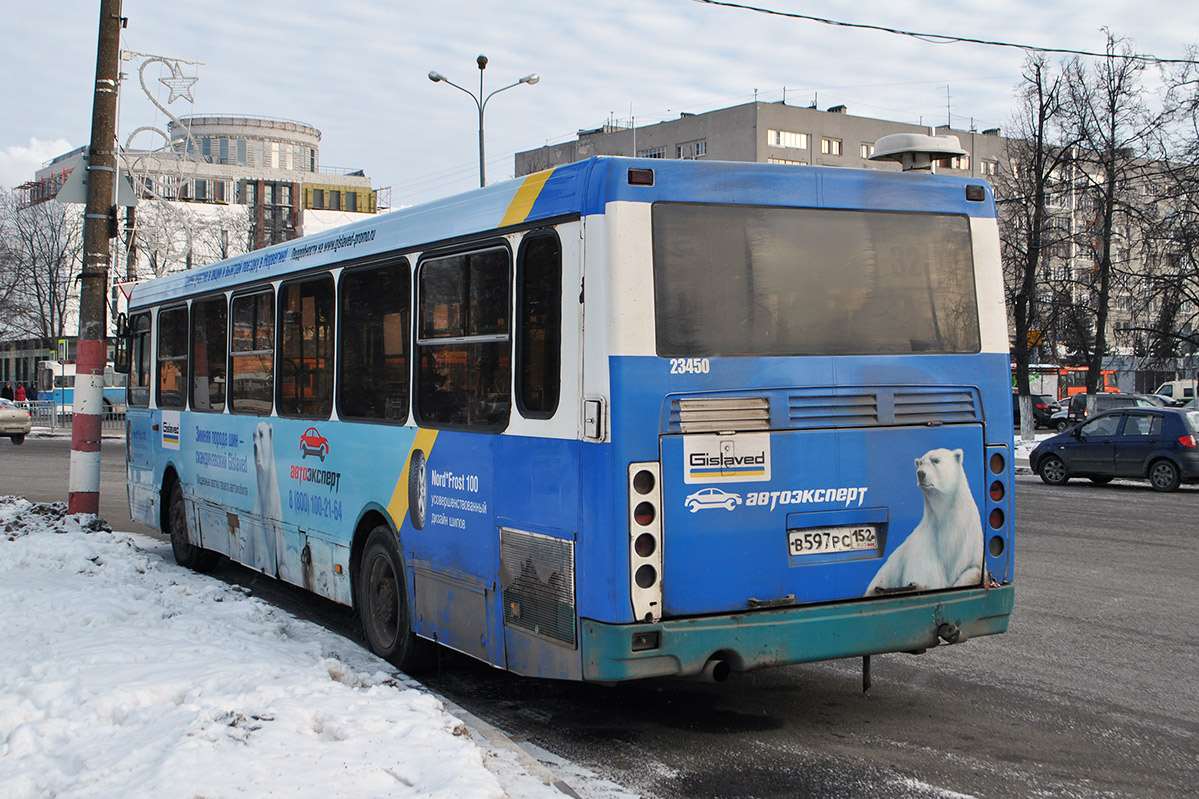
x=258 y=541
x=946 y=548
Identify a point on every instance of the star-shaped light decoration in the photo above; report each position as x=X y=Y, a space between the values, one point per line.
x=179 y=85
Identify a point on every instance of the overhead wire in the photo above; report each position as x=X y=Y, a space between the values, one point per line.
x=937 y=38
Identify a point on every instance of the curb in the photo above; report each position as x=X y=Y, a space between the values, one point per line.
x=499 y=740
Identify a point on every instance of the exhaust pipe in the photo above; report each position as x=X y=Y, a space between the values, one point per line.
x=717 y=669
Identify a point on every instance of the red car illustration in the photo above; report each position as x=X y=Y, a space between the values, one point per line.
x=313 y=443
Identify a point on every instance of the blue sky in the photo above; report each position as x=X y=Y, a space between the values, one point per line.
x=357 y=70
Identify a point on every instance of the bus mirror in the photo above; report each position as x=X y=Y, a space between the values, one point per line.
x=120 y=359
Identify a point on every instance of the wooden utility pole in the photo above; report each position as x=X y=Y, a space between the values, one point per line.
x=99 y=225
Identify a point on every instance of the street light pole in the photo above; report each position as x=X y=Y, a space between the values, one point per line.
x=481 y=103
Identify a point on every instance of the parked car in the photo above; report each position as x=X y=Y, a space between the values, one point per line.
x=14 y=421
x=1043 y=408
x=1076 y=410
x=1158 y=444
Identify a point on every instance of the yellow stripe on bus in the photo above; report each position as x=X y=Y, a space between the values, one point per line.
x=526 y=195
x=398 y=506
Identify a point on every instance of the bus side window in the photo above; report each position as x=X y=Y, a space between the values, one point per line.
x=539 y=313
x=209 y=341
x=464 y=340
x=252 y=353
x=374 y=323
x=305 y=384
x=138 y=392
x=172 y=358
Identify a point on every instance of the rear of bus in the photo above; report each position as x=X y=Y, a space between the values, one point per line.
x=806 y=405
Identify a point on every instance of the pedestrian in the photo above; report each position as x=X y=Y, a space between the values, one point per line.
x=31 y=393
x=19 y=394
x=6 y=392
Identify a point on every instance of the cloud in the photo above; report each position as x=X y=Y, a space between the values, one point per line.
x=18 y=164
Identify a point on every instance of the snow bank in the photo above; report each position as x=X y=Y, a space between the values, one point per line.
x=126 y=676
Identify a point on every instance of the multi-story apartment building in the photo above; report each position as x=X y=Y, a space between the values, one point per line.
x=765 y=133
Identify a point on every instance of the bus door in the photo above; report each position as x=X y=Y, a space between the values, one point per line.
x=769 y=519
x=141 y=435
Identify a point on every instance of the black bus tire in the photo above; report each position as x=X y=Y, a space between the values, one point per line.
x=418 y=489
x=383 y=605
x=187 y=554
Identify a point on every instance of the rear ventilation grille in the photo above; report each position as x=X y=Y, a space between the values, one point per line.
x=720 y=415
x=936 y=406
x=832 y=410
x=883 y=405
x=537 y=579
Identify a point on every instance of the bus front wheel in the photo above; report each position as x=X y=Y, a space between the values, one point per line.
x=383 y=605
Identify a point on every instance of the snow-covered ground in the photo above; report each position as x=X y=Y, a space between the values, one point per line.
x=123 y=675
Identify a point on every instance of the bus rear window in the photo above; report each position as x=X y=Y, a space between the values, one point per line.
x=742 y=280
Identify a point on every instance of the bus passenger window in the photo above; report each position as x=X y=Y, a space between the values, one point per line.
x=464 y=343
x=373 y=357
x=209 y=343
x=172 y=358
x=539 y=338
x=252 y=353
x=138 y=393
x=305 y=386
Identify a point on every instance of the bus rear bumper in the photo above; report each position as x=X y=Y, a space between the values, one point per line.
x=758 y=639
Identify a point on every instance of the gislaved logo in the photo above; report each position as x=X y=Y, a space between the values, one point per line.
x=170 y=429
x=741 y=458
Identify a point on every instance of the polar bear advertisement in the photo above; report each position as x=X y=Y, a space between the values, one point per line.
x=258 y=536
x=946 y=548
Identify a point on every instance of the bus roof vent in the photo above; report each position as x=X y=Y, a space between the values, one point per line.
x=916 y=151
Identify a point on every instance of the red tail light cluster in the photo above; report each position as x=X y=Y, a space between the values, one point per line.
x=645 y=541
x=1188 y=441
x=997 y=514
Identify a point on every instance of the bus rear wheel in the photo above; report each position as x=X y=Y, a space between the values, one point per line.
x=187 y=554
x=383 y=605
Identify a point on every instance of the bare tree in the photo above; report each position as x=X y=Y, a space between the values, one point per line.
x=1037 y=151
x=1113 y=127
x=173 y=236
x=43 y=244
x=12 y=305
x=1173 y=240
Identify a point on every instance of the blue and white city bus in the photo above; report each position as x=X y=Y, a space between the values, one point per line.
x=56 y=384
x=620 y=419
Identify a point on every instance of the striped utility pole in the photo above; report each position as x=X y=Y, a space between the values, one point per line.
x=99 y=225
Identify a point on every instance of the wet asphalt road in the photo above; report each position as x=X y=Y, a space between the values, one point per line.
x=1090 y=694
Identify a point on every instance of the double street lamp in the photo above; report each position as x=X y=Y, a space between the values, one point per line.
x=481 y=101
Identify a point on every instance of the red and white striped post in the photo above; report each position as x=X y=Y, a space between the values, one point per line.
x=91 y=352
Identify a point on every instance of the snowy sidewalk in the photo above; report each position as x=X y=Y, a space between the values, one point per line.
x=125 y=676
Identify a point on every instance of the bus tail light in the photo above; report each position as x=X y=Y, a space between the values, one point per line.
x=997 y=517
x=645 y=541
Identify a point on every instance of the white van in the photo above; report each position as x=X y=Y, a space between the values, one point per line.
x=1177 y=392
